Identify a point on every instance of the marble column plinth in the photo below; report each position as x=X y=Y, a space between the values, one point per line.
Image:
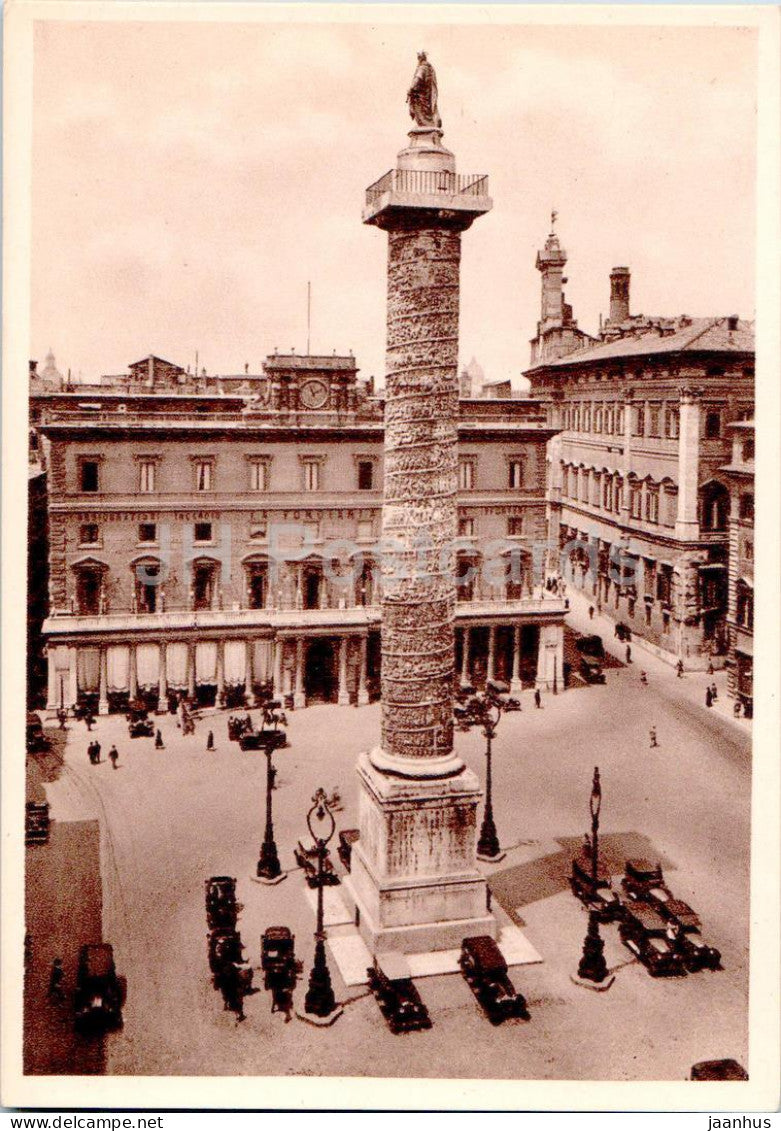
x=413 y=879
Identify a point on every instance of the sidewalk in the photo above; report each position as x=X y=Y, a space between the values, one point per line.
x=691 y=686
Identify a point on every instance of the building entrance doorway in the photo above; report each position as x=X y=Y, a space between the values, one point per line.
x=320 y=677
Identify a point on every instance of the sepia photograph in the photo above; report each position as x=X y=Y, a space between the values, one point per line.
x=383 y=470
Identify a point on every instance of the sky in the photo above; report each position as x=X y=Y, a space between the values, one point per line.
x=189 y=179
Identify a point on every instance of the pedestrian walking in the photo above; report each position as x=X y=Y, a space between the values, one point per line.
x=628 y=654
x=736 y=709
x=210 y=740
x=710 y=667
x=537 y=697
x=679 y=669
x=89 y=720
x=97 y=752
x=652 y=736
x=708 y=697
x=113 y=756
x=91 y=752
x=714 y=692
x=159 y=745
x=591 y=612
x=57 y=980
x=61 y=717
x=644 y=679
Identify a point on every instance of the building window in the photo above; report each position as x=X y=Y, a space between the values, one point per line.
x=671 y=423
x=258 y=531
x=311 y=531
x=607 y=493
x=147 y=532
x=654 y=417
x=620 y=419
x=203 y=475
x=652 y=506
x=635 y=501
x=747 y=451
x=712 y=425
x=311 y=474
x=89 y=534
x=587 y=418
x=584 y=485
x=565 y=481
x=576 y=418
x=203 y=532
x=609 y=419
x=596 y=488
x=516 y=474
x=638 y=420
x=258 y=475
x=747 y=508
x=515 y=525
x=745 y=605
x=466 y=527
x=89 y=592
x=618 y=495
x=598 y=418
x=466 y=474
x=665 y=622
x=664 y=585
x=365 y=529
x=365 y=475
x=204 y=586
x=88 y=475
x=146 y=483
x=748 y=550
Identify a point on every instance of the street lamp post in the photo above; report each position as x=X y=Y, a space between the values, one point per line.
x=592 y=967
x=269 y=870
x=485 y=711
x=320 y=1002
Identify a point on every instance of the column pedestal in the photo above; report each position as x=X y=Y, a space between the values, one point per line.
x=413 y=878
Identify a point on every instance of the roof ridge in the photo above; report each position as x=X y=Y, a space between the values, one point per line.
x=709 y=324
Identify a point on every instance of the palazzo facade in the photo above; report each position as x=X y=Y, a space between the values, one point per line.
x=206 y=538
x=641 y=418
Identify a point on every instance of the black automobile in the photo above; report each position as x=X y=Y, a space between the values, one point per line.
x=100 y=993
x=483 y=965
x=224 y=947
x=263 y=740
x=306 y=858
x=400 y=1004
x=278 y=958
x=718 y=1070
x=694 y=951
x=590 y=646
x=598 y=897
x=221 y=906
x=640 y=879
x=36 y=740
x=647 y=935
x=347 y=838
x=591 y=669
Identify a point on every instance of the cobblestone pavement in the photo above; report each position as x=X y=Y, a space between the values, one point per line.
x=171 y=818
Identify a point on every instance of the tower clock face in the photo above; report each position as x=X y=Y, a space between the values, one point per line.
x=313 y=394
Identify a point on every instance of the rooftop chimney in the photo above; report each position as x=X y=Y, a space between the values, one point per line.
x=619 y=294
x=33 y=368
x=732 y=322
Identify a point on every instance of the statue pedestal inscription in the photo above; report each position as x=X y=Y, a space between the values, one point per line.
x=414 y=883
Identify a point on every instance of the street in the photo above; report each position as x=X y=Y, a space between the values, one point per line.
x=171 y=818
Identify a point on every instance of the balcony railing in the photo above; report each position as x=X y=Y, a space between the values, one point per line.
x=419 y=182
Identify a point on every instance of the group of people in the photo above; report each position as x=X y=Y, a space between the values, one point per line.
x=93 y=752
x=711 y=695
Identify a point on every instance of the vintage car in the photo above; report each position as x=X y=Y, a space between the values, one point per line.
x=221 y=906
x=600 y=898
x=347 y=838
x=400 y=1004
x=640 y=877
x=224 y=947
x=278 y=958
x=623 y=631
x=645 y=933
x=36 y=823
x=483 y=965
x=237 y=727
x=36 y=740
x=141 y=728
x=590 y=646
x=694 y=951
x=718 y=1070
x=100 y=993
x=306 y=858
x=263 y=740
x=591 y=669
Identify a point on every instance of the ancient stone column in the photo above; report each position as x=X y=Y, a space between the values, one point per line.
x=414 y=881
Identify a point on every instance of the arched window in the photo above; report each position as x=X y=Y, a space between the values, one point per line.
x=714 y=507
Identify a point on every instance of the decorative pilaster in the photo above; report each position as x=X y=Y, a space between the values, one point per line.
x=279 y=647
x=491 y=669
x=343 y=697
x=466 y=643
x=686 y=524
x=190 y=671
x=132 y=668
x=103 y=692
x=220 y=697
x=299 y=698
x=249 y=668
x=52 y=701
x=73 y=677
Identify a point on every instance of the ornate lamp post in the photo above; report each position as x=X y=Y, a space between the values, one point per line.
x=484 y=711
x=320 y=1003
x=269 y=870
x=592 y=967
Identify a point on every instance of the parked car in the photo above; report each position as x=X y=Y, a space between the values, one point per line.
x=306 y=858
x=590 y=646
x=641 y=877
x=347 y=838
x=399 y=1001
x=645 y=933
x=718 y=1070
x=36 y=740
x=591 y=669
x=483 y=965
x=278 y=958
x=36 y=823
x=225 y=947
x=263 y=740
x=694 y=951
x=221 y=906
x=141 y=728
x=100 y=993
x=600 y=898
